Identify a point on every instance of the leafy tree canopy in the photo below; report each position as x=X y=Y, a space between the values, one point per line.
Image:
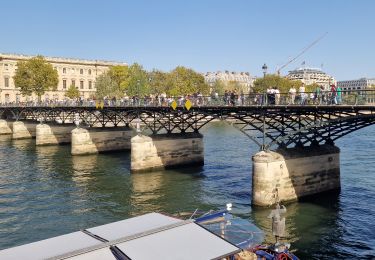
x=134 y=80
x=36 y=76
x=158 y=81
x=106 y=87
x=184 y=81
x=219 y=86
x=72 y=92
x=137 y=83
x=272 y=80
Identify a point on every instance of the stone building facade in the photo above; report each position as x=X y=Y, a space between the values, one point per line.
x=79 y=73
x=357 y=84
x=310 y=76
x=243 y=78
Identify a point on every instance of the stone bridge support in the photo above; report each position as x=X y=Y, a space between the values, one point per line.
x=293 y=173
x=96 y=140
x=53 y=134
x=23 y=130
x=165 y=151
x=5 y=127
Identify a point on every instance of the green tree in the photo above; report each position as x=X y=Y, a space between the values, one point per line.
x=219 y=86
x=158 y=81
x=106 y=87
x=119 y=75
x=184 y=81
x=72 y=92
x=112 y=83
x=272 y=80
x=35 y=76
x=311 y=87
x=137 y=82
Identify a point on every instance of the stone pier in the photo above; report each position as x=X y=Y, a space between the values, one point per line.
x=165 y=151
x=23 y=130
x=293 y=173
x=5 y=127
x=53 y=134
x=96 y=140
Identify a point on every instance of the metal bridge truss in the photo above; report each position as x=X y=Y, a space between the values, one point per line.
x=267 y=126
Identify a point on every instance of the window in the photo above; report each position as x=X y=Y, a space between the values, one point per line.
x=81 y=71
x=81 y=84
x=89 y=72
x=64 y=83
x=90 y=84
x=6 y=66
x=64 y=70
x=6 y=82
x=6 y=97
x=73 y=83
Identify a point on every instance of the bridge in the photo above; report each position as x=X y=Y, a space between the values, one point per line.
x=297 y=156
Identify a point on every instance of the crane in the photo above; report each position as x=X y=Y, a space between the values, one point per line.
x=302 y=52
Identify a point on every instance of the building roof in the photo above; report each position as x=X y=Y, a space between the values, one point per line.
x=306 y=70
x=18 y=57
x=151 y=236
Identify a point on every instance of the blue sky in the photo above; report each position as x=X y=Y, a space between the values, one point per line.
x=206 y=35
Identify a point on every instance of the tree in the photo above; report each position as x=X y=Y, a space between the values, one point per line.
x=183 y=81
x=112 y=83
x=219 y=86
x=158 y=81
x=137 y=84
x=106 y=87
x=312 y=87
x=72 y=92
x=271 y=80
x=119 y=75
x=35 y=76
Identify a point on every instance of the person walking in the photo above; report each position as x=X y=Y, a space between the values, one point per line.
x=292 y=95
x=338 y=92
x=333 y=95
x=302 y=94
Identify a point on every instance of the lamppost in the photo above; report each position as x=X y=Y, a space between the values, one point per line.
x=138 y=94
x=264 y=68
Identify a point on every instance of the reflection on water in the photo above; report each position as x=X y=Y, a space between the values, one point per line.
x=5 y=138
x=24 y=144
x=44 y=192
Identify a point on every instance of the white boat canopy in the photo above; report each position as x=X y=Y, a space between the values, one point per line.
x=150 y=236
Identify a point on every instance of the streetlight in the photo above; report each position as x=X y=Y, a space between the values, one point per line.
x=138 y=94
x=264 y=68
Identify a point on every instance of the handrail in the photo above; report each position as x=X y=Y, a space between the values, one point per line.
x=344 y=97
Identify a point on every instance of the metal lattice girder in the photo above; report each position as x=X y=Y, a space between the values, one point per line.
x=277 y=125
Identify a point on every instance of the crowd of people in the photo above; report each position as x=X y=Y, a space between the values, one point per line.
x=272 y=96
x=319 y=96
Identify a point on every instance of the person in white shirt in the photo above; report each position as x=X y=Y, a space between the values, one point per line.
x=292 y=95
x=302 y=94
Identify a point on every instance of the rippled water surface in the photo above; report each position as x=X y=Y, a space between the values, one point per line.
x=45 y=192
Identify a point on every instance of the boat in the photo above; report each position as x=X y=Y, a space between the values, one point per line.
x=209 y=235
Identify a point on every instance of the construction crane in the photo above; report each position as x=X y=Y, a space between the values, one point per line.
x=301 y=53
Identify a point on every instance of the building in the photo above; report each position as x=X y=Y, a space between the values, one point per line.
x=310 y=76
x=79 y=73
x=243 y=78
x=357 y=84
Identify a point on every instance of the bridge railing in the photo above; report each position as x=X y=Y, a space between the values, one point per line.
x=345 y=97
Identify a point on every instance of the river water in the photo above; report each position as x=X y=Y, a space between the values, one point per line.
x=46 y=192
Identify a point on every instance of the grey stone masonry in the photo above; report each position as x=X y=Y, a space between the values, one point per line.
x=293 y=173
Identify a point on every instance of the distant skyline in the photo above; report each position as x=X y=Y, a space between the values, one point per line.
x=208 y=35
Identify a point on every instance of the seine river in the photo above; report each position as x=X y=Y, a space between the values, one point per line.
x=46 y=192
